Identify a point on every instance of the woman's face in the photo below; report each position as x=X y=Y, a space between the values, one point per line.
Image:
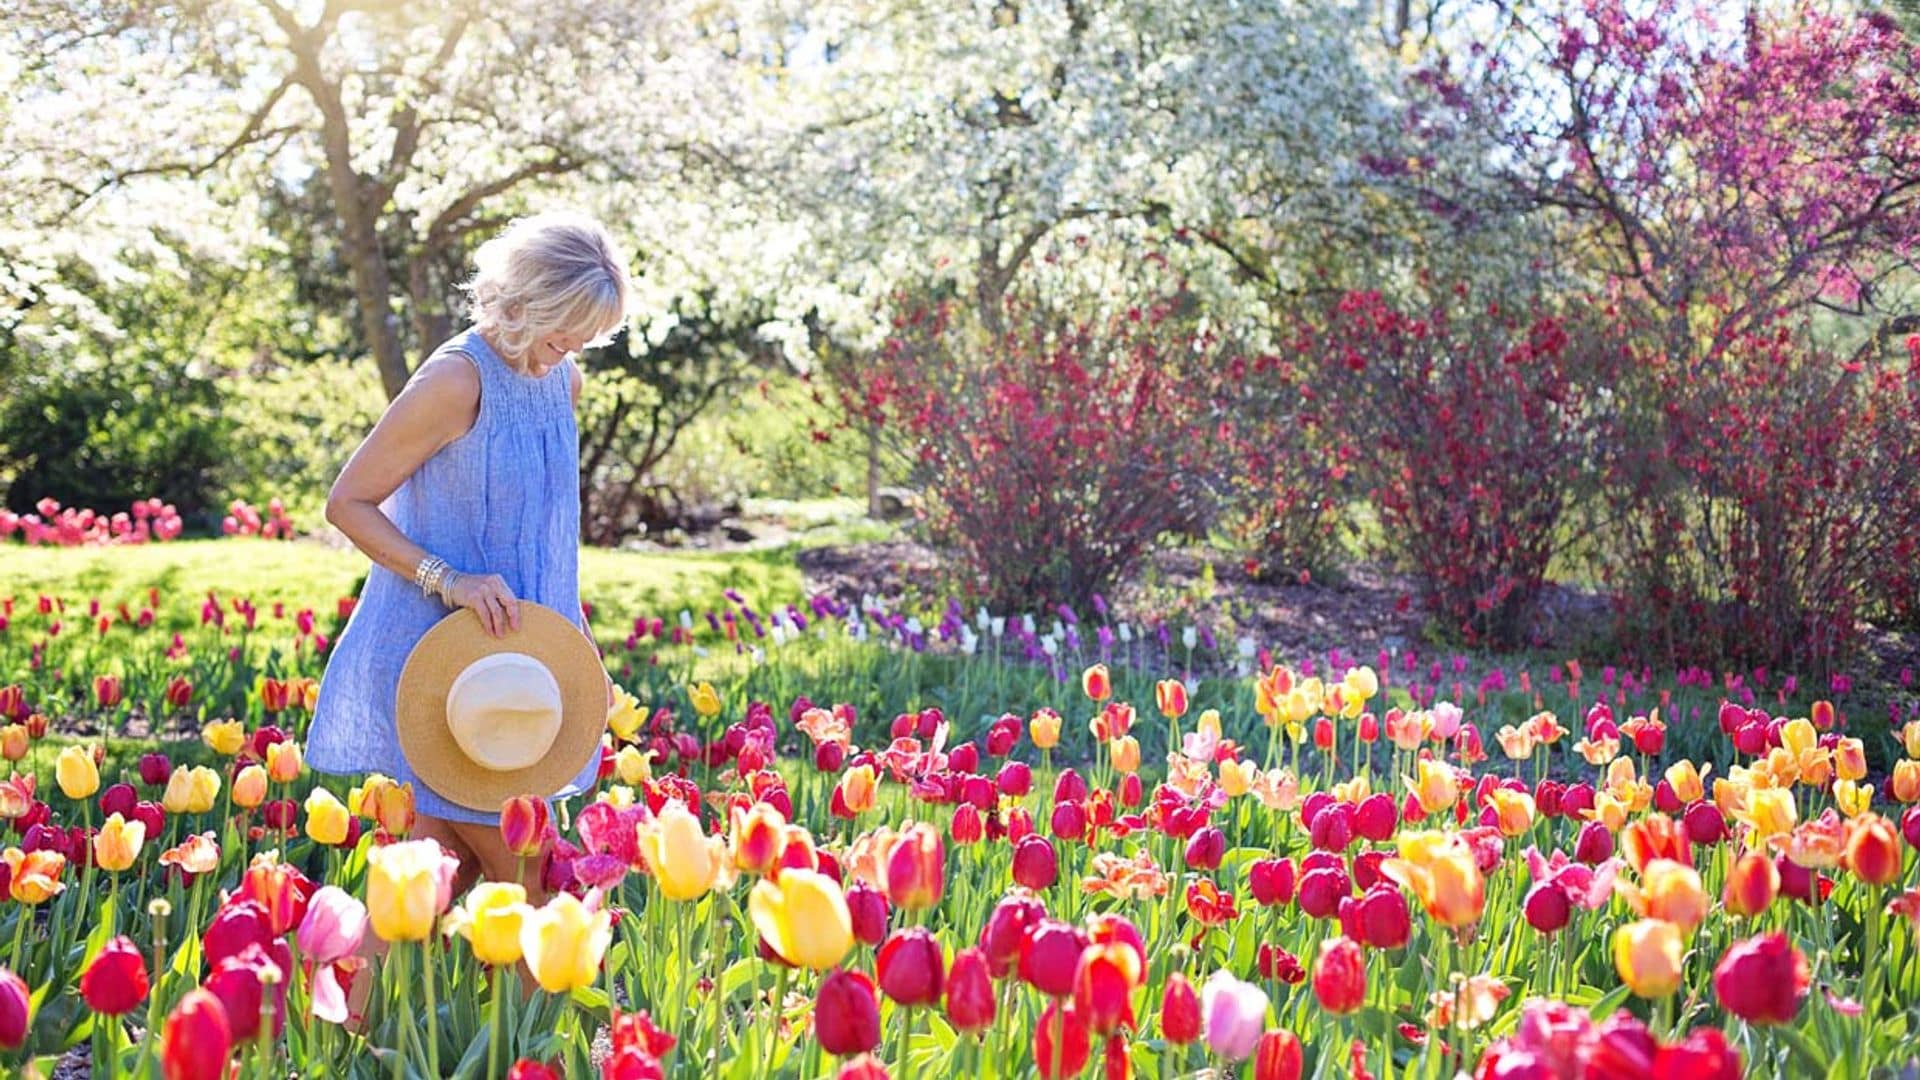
x=555 y=347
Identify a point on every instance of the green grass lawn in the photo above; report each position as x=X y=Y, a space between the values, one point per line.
x=619 y=584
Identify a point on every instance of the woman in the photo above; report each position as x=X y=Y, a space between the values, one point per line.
x=466 y=495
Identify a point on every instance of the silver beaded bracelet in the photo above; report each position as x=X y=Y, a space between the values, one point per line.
x=433 y=577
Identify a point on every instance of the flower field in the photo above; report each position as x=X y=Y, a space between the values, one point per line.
x=837 y=841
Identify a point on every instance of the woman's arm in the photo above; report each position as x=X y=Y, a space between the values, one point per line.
x=438 y=405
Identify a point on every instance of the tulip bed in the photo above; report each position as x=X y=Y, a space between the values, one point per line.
x=1288 y=874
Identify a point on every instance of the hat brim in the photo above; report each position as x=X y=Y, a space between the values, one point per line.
x=420 y=706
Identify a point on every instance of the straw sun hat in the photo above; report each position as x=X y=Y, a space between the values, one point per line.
x=483 y=719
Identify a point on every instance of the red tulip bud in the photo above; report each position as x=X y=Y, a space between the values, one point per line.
x=970 y=1003
x=1179 y=1011
x=846 y=1014
x=1340 y=976
x=197 y=1040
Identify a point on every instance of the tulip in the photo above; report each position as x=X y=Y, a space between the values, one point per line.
x=1205 y=848
x=1061 y=1042
x=76 y=772
x=118 y=843
x=867 y=910
x=684 y=861
x=846 y=1014
x=1647 y=955
x=1035 y=865
x=1045 y=729
x=1547 y=907
x=1272 y=881
x=197 y=1040
x=1103 y=983
x=1762 y=980
x=116 y=981
x=383 y=801
x=1340 y=976
x=34 y=877
x=492 y=920
x=334 y=926
x=225 y=737
x=1236 y=1014
x=1278 y=1056
x=910 y=967
x=1440 y=869
x=865 y=1067
x=524 y=824
x=243 y=983
x=1670 y=892
x=16 y=1010
x=14 y=742
x=1873 y=850
x=1594 y=844
x=526 y=1069
x=1752 y=883
x=855 y=793
x=1433 y=786
x=1381 y=918
x=564 y=943
x=1049 y=954
x=238 y=924
x=155 y=769
x=1125 y=752
x=118 y=799
x=916 y=868
x=1096 y=683
x=404 y=888
x=327 y=818
x=757 y=837
x=1170 y=695
x=106 y=690
x=804 y=917
x=705 y=700
x=250 y=787
x=970 y=1000
x=1179 y=1010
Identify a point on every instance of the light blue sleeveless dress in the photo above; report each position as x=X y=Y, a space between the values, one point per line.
x=502 y=499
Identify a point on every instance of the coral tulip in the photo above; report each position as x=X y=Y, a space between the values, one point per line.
x=1873 y=850
x=34 y=877
x=118 y=843
x=250 y=787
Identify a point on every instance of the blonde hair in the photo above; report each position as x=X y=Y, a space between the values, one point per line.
x=550 y=272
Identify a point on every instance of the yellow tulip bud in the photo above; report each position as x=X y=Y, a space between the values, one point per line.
x=492 y=920
x=1647 y=955
x=250 y=787
x=118 y=843
x=404 y=888
x=326 y=818
x=284 y=762
x=226 y=737
x=684 y=861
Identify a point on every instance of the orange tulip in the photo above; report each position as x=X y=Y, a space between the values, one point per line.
x=1440 y=870
x=1434 y=786
x=1514 y=809
x=1096 y=683
x=35 y=876
x=1171 y=696
x=1873 y=850
x=1668 y=891
x=1126 y=754
x=1656 y=836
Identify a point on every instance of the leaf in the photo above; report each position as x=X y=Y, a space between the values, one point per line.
x=1803 y=1048
x=1609 y=1002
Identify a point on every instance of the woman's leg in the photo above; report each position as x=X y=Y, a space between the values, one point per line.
x=496 y=863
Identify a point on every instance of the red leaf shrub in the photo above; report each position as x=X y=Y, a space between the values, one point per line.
x=1059 y=452
x=1470 y=426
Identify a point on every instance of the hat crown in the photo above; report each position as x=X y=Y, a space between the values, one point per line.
x=504 y=711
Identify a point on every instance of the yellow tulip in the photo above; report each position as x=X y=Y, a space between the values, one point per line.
x=1126 y=754
x=118 y=843
x=1045 y=729
x=1516 y=743
x=1433 y=786
x=34 y=877
x=284 y=762
x=705 y=699
x=326 y=818
x=1852 y=798
x=804 y=918
x=682 y=858
x=250 y=787
x=226 y=737
x=632 y=766
x=1439 y=868
x=381 y=800
x=1798 y=736
x=1688 y=783
x=1910 y=738
x=1359 y=684
x=403 y=888
x=563 y=943
x=491 y=920
x=1353 y=792
x=1515 y=810
x=1668 y=891
x=1647 y=955
x=79 y=777
x=1769 y=812
x=625 y=715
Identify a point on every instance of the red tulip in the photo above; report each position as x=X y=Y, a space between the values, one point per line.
x=1752 y=883
x=1179 y=1010
x=1068 y=821
x=967 y=828
x=1048 y=956
x=1277 y=963
x=1380 y=918
x=1375 y=818
x=106 y=690
x=1594 y=845
x=1061 y=1043
x=116 y=981
x=1321 y=890
x=1272 y=881
x=238 y=924
x=240 y=982
x=867 y=908
x=528 y=1069
x=1015 y=778
x=1762 y=980
x=1206 y=848
x=1547 y=907
x=1873 y=851
x=179 y=692
x=1704 y=1055
x=1034 y=863
x=1340 y=976
x=155 y=770
x=846 y=1014
x=197 y=1040
x=16 y=1005
x=1004 y=937
x=911 y=967
x=970 y=1004
x=1069 y=787
x=1277 y=1057
x=865 y=1067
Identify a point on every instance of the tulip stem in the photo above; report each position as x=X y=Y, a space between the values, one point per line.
x=20 y=937
x=495 y=1035
x=433 y=1008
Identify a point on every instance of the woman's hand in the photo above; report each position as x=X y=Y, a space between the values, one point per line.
x=488 y=596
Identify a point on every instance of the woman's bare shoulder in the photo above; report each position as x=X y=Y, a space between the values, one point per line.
x=444 y=394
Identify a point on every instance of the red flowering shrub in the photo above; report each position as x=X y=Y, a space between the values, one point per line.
x=1470 y=426
x=1058 y=453
x=1770 y=504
